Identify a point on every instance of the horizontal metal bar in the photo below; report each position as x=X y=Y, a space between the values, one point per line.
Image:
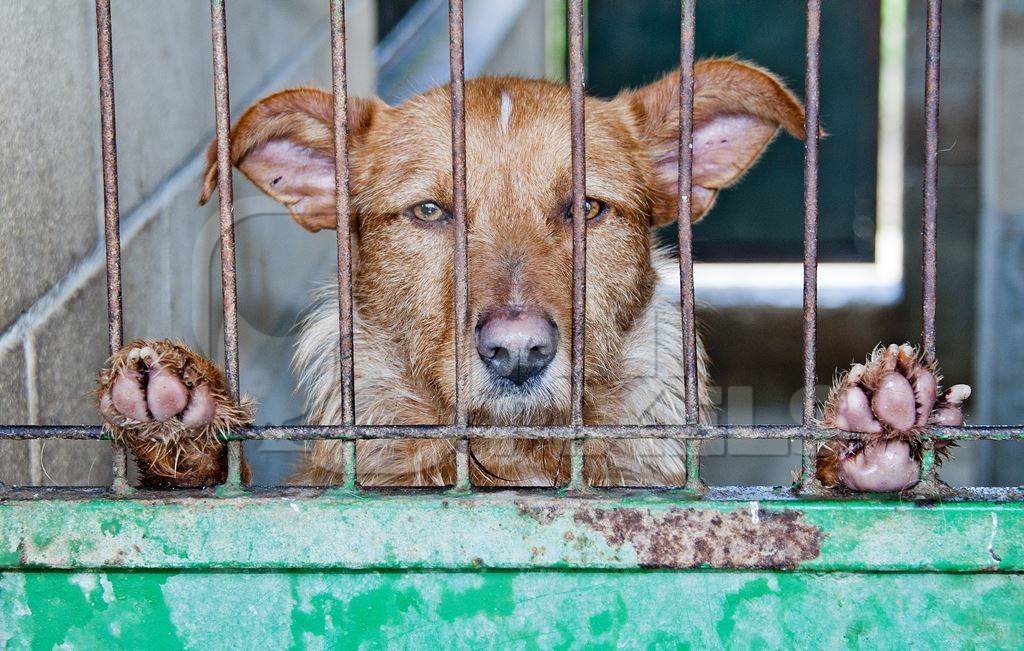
x=613 y=530
x=689 y=432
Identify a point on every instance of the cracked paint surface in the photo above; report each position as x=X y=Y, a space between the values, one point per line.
x=509 y=570
x=158 y=610
x=509 y=531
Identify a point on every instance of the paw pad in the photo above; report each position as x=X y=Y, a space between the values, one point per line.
x=892 y=398
x=156 y=383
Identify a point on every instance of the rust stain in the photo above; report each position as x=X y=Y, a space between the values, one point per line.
x=685 y=538
x=541 y=514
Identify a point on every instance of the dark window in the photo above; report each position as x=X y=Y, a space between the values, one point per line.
x=760 y=219
x=389 y=12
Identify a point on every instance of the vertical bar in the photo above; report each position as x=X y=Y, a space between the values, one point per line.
x=929 y=480
x=458 y=86
x=111 y=209
x=341 y=207
x=684 y=216
x=222 y=109
x=579 y=231
x=931 y=178
x=810 y=314
x=684 y=220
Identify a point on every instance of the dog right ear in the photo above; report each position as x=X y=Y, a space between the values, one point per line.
x=737 y=110
x=285 y=145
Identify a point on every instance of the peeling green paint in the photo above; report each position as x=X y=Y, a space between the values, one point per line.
x=510 y=531
x=509 y=570
x=526 y=610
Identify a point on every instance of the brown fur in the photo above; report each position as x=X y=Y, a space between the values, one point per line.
x=518 y=180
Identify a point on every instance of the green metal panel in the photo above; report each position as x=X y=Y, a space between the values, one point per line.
x=509 y=531
x=656 y=609
x=509 y=569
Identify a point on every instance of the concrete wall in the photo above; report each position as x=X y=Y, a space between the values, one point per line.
x=999 y=351
x=52 y=291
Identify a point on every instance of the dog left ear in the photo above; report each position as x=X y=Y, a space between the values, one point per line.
x=285 y=145
x=737 y=110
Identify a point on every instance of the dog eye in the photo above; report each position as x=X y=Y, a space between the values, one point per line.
x=592 y=209
x=428 y=211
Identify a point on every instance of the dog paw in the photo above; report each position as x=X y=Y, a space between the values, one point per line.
x=167 y=404
x=158 y=385
x=891 y=399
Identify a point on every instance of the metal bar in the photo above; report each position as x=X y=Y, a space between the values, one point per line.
x=684 y=216
x=577 y=127
x=111 y=210
x=930 y=483
x=558 y=432
x=341 y=208
x=349 y=469
x=753 y=529
x=684 y=219
x=222 y=108
x=461 y=262
x=931 y=178
x=810 y=312
x=108 y=143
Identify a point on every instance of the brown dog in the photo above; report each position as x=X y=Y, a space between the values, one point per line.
x=168 y=403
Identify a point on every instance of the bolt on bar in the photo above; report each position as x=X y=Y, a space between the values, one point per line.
x=222 y=109
x=461 y=263
x=111 y=210
x=339 y=81
x=929 y=211
x=684 y=219
x=810 y=312
x=579 y=233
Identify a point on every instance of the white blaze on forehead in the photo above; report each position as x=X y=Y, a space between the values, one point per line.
x=506 y=110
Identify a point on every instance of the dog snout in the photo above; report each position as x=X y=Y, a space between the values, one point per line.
x=516 y=343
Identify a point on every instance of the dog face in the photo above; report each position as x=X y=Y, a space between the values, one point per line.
x=518 y=215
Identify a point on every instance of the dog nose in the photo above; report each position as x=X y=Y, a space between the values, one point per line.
x=516 y=343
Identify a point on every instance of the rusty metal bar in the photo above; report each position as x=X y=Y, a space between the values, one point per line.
x=930 y=483
x=339 y=80
x=684 y=219
x=461 y=261
x=931 y=178
x=557 y=432
x=111 y=210
x=222 y=108
x=810 y=312
x=577 y=117
x=684 y=216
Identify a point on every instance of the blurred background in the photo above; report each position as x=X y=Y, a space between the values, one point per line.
x=52 y=300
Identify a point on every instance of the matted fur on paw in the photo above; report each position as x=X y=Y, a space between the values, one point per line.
x=891 y=399
x=168 y=404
